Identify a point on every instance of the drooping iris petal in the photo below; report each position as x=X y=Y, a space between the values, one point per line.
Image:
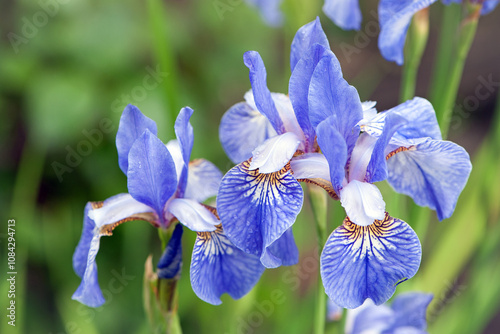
x=307 y=35
x=89 y=292
x=184 y=134
x=394 y=17
x=334 y=147
x=275 y=153
x=363 y=202
x=298 y=89
x=132 y=125
x=330 y=94
x=420 y=116
x=203 y=181
x=241 y=130
x=82 y=249
x=269 y=10
x=121 y=207
x=261 y=94
x=193 y=215
x=310 y=166
x=488 y=6
x=284 y=249
x=344 y=13
x=433 y=173
x=410 y=310
x=377 y=168
x=360 y=262
x=218 y=267
x=256 y=209
x=170 y=263
x=151 y=175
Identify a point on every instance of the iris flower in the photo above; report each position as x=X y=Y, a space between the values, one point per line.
x=270 y=138
x=372 y=252
x=406 y=315
x=394 y=19
x=269 y=10
x=164 y=187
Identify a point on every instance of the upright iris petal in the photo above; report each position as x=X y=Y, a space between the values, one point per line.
x=394 y=18
x=368 y=262
x=184 y=134
x=307 y=36
x=151 y=175
x=344 y=13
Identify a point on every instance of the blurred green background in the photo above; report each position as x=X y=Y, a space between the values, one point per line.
x=67 y=70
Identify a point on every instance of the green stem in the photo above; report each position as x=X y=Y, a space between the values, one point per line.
x=447 y=35
x=444 y=106
x=318 y=199
x=414 y=49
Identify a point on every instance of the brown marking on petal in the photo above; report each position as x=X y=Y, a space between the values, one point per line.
x=147 y=216
x=378 y=228
x=400 y=149
x=327 y=185
x=195 y=162
x=212 y=210
x=97 y=205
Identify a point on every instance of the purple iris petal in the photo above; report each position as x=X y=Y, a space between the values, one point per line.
x=151 y=176
x=284 y=249
x=410 y=310
x=184 y=133
x=170 y=263
x=82 y=250
x=299 y=89
x=256 y=209
x=132 y=125
x=269 y=10
x=262 y=95
x=334 y=147
x=432 y=172
x=203 y=181
x=344 y=13
x=218 y=267
x=368 y=262
x=307 y=35
x=394 y=18
x=330 y=94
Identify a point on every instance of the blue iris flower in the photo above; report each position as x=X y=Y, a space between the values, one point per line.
x=165 y=187
x=394 y=19
x=269 y=10
x=271 y=139
x=406 y=315
x=372 y=252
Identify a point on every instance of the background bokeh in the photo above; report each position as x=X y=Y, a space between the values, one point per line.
x=67 y=70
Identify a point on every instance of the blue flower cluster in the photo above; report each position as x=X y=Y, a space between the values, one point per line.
x=320 y=133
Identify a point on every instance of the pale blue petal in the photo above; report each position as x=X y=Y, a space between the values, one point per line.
x=333 y=311
x=170 y=263
x=433 y=173
x=193 y=215
x=310 y=166
x=261 y=94
x=269 y=10
x=152 y=178
x=330 y=94
x=488 y=6
x=274 y=153
x=334 y=147
x=363 y=202
x=344 y=13
x=370 y=318
x=256 y=209
x=184 y=134
x=203 y=181
x=368 y=262
x=218 y=267
x=307 y=35
x=410 y=310
x=394 y=18
x=241 y=130
x=298 y=89
x=132 y=125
